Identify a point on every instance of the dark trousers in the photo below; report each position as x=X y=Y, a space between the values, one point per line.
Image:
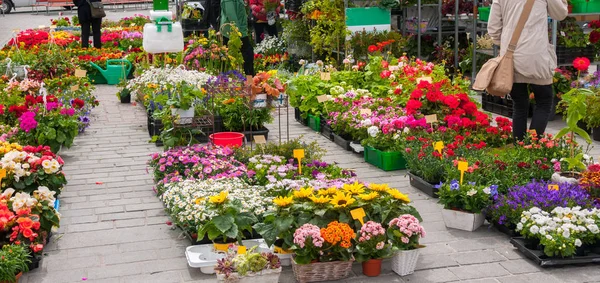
x=544 y=95
x=247 y=54
x=85 y=33
x=260 y=28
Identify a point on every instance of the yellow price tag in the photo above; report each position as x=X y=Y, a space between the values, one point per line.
x=325 y=76
x=462 y=167
x=80 y=73
x=365 y=111
x=439 y=146
x=299 y=154
x=553 y=187
x=2 y=173
x=241 y=250
x=358 y=214
x=260 y=139
x=74 y=88
x=431 y=118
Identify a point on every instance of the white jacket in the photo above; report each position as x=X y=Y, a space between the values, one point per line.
x=534 y=58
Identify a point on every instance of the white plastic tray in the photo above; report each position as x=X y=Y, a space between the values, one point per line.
x=205 y=258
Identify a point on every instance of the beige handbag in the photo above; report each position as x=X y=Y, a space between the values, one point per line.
x=496 y=75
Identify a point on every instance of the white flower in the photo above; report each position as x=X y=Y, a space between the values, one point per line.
x=523 y=220
x=519 y=226
x=472 y=192
x=373 y=131
x=548 y=237
x=22 y=200
x=366 y=123
x=577 y=243
x=593 y=228
x=43 y=193
x=534 y=229
x=566 y=234
x=487 y=190
x=534 y=210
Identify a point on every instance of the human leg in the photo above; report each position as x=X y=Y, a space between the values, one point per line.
x=259 y=29
x=85 y=34
x=520 y=98
x=248 y=55
x=96 y=30
x=544 y=95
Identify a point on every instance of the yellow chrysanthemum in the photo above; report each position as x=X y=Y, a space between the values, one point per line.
x=199 y=200
x=355 y=189
x=369 y=196
x=320 y=199
x=283 y=201
x=342 y=200
x=220 y=198
x=303 y=193
x=398 y=195
x=328 y=192
x=379 y=187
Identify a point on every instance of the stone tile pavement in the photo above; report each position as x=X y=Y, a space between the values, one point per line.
x=114 y=228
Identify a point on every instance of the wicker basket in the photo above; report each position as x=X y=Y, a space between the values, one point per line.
x=321 y=271
x=404 y=262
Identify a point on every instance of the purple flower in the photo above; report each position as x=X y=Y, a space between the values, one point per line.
x=454 y=185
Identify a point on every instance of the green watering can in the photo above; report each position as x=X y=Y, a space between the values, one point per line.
x=115 y=71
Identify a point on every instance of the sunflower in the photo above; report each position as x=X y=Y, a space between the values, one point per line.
x=379 y=187
x=398 y=195
x=220 y=198
x=320 y=199
x=283 y=201
x=328 y=192
x=355 y=189
x=303 y=193
x=369 y=196
x=342 y=200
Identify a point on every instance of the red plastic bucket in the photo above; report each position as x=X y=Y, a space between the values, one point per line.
x=227 y=139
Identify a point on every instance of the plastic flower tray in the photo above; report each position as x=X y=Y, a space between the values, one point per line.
x=314 y=122
x=386 y=161
x=592 y=255
x=205 y=258
x=326 y=131
x=422 y=185
x=339 y=140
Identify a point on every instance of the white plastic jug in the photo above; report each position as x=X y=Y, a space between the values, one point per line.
x=163 y=41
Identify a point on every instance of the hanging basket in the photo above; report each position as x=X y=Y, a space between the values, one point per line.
x=321 y=271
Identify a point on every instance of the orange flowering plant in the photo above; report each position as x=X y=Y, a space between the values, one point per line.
x=590 y=180
x=264 y=82
x=332 y=243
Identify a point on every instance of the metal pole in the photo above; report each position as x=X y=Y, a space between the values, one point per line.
x=440 y=17
x=418 y=27
x=554 y=31
x=474 y=57
x=456 y=2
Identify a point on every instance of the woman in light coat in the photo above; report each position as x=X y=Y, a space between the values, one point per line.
x=534 y=57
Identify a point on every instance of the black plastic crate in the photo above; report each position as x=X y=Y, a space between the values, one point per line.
x=588 y=255
x=566 y=55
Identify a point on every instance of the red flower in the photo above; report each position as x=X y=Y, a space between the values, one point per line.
x=373 y=48
x=1 y=109
x=412 y=106
x=385 y=74
x=594 y=36
x=594 y=24
x=523 y=165
x=581 y=63
x=385 y=64
x=27 y=233
x=451 y=101
x=78 y=103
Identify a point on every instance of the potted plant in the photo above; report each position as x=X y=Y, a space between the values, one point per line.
x=182 y=100
x=322 y=254
x=576 y=109
x=371 y=248
x=248 y=267
x=265 y=87
x=592 y=119
x=463 y=204
x=124 y=95
x=14 y=262
x=404 y=233
x=229 y=224
x=590 y=180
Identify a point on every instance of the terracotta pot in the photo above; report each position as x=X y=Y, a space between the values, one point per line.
x=372 y=267
x=16 y=278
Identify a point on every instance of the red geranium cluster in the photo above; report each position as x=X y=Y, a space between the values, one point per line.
x=77 y=103
x=30 y=38
x=111 y=36
x=380 y=46
x=31 y=100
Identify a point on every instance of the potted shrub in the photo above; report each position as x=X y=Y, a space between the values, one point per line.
x=248 y=267
x=182 y=101
x=322 y=254
x=265 y=88
x=371 y=248
x=14 y=262
x=463 y=204
x=404 y=233
x=229 y=224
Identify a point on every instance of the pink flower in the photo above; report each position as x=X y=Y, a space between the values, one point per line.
x=380 y=245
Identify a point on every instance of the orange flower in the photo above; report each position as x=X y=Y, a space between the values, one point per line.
x=338 y=233
x=229 y=101
x=25 y=223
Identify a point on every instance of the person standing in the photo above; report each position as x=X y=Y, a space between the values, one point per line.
x=234 y=12
x=84 y=12
x=534 y=57
x=265 y=17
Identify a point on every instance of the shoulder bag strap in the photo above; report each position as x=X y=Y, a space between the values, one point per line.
x=520 y=25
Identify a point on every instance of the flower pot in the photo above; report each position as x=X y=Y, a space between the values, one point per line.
x=249 y=135
x=566 y=177
x=183 y=114
x=404 y=262
x=321 y=271
x=422 y=185
x=387 y=161
x=126 y=98
x=462 y=220
x=17 y=277
x=227 y=139
x=596 y=133
x=339 y=140
x=327 y=132
x=372 y=267
x=584 y=126
x=314 y=122
x=260 y=101
x=532 y=243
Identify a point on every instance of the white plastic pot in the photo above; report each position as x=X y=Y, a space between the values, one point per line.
x=205 y=257
x=557 y=178
x=183 y=114
x=260 y=101
x=404 y=262
x=462 y=220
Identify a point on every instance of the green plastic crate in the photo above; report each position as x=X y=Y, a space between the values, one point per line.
x=484 y=13
x=314 y=122
x=593 y=6
x=386 y=161
x=585 y=6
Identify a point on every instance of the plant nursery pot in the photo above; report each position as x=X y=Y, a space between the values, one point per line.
x=327 y=132
x=462 y=220
x=596 y=133
x=183 y=114
x=372 y=267
x=260 y=101
x=126 y=99
x=566 y=177
x=404 y=262
x=321 y=271
x=584 y=126
x=422 y=185
x=17 y=277
x=384 y=160
x=532 y=244
x=314 y=122
x=260 y=132
x=339 y=140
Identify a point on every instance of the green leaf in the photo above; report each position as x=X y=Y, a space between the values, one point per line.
x=562 y=133
x=267 y=231
x=583 y=134
x=223 y=222
x=60 y=137
x=232 y=232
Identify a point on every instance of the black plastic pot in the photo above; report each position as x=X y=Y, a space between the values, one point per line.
x=423 y=185
x=326 y=131
x=509 y=231
x=344 y=143
x=596 y=133
x=584 y=126
x=126 y=98
x=35 y=262
x=150 y=123
x=260 y=132
x=195 y=241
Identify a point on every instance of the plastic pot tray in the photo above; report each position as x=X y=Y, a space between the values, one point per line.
x=422 y=185
x=593 y=256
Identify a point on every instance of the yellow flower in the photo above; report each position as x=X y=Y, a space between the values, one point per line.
x=342 y=200
x=328 y=192
x=199 y=200
x=220 y=198
x=320 y=199
x=303 y=193
x=355 y=189
x=369 y=196
x=398 y=195
x=283 y=201
x=379 y=187
x=272 y=72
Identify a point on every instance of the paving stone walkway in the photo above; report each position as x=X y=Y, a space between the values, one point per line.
x=114 y=228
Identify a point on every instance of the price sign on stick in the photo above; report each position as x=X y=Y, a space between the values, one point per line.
x=553 y=187
x=430 y=119
x=325 y=76
x=299 y=154
x=260 y=140
x=74 y=88
x=427 y=79
x=322 y=98
x=358 y=214
x=462 y=167
x=80 y=73
x=365 y=111
x=2 y=175
x=439 y=146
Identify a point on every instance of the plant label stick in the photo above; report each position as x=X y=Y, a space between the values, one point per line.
x=80 y=73
x=299 y=154
x=358 y=214
x=553 y=187
x=260 y=139
x=439 y=146
x=325 y=76
x=365 y=111
x=74 y=88
x=462 y=167
x=427 y=79
x=322 y=98
x=430 y=119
